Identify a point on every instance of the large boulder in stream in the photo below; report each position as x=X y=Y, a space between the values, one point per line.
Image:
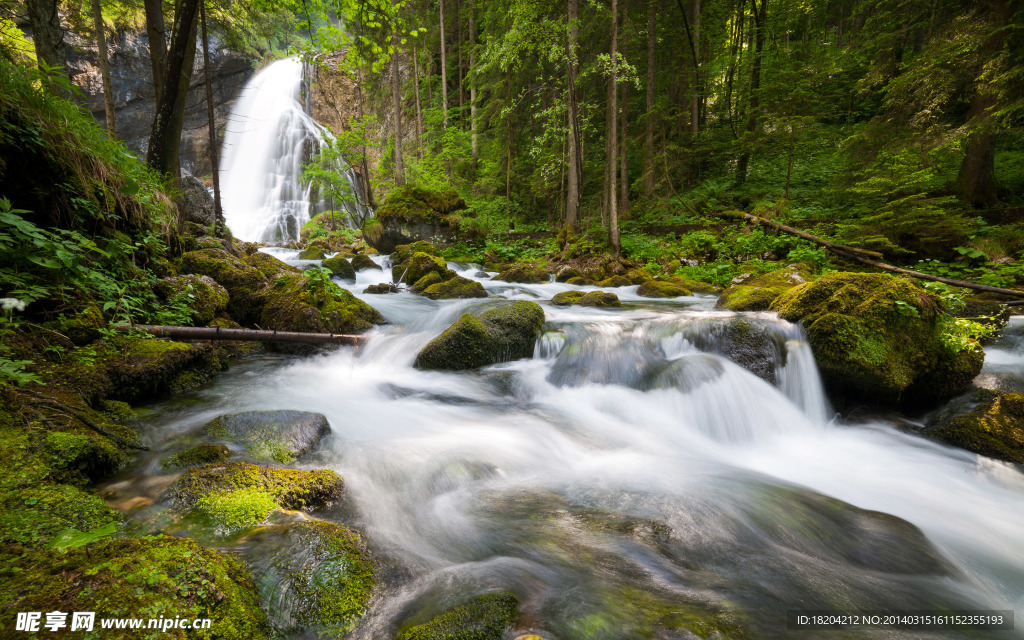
x=411 y=213
x=485 y=617
x=243 y=282
x=757 y=293
x=882 y=339
x=507 y=332
x=654 y=288
x=361 y=262
x=279 y=436
x=994 y=429
x=298 y=303
x=340 y=268
x=586 y=299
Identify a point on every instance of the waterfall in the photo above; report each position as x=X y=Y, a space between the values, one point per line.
x=270 y=135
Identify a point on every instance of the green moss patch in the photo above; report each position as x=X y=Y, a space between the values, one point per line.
x=233 y=510
x=485 y=617
x=586 y=299
x=340 y=268
x=758 y=293
x=290 y=488
x=295 y=303
x=660 y=289
x=995 y=429
x=34 y=516
x=507 y=332
x=456 y=287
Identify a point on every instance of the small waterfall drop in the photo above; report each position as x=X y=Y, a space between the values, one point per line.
x=270 y=136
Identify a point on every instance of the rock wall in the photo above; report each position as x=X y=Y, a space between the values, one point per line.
x=134 y=102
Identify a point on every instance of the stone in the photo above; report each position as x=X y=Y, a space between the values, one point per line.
x=507 y=332
x=278 y=436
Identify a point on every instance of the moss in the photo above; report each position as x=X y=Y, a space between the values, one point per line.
x=92 y=456
x=419 y=265
x=199 y=454
x=615 y=281
x=383 y=287
x=229 y=349
x=758 y=293
x=290 y=488
x=234 y=510
x=33 y=516
x=428 y=280
x=578 y=281
x=523 y=273
x=340 y=267
x=312 y=253
x=586 y=299
x=269 y=266
x=879 y=338
x=403 y=253
x=507 y=332
x=996 y=429
x=202 y=294
x=243 y=282
x=659 y=289
x=361 y=261
x=567 y=272
x=151 y=368
x=84 y=326
x=280 y=436
x=411 y=204
x=455 y=287
x=485 y=617
x=294 y=304
x=137 y=577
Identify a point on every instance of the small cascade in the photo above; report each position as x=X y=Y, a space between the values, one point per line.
x=270 y=136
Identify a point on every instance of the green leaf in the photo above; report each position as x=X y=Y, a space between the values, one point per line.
x=73 y=538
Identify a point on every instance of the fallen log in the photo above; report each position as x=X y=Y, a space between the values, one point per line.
x=865 y=257
x=240 y=335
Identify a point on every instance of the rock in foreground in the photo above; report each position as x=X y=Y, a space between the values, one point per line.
x=508 y=332
x=280 y=436
x=758 y=293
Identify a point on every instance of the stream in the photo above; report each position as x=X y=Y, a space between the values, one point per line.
x=626 y=467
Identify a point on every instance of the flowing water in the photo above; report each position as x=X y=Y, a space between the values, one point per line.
x=269 y=137
x=626 y=469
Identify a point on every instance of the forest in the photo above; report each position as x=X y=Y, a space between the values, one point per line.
x=469 y=320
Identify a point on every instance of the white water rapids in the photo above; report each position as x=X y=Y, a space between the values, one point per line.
x=479 y=480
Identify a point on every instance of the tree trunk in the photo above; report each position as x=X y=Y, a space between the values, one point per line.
x=396 y=95
x=419 y=109
x=458 y=30
x=976 y=181
x=695 y=97
x=47 y=34
x=572 y=202
x=613 y=212
x=108 y=91
x=508 y=121
x=240 y=335
x=218 y=210
x=472 y=84
x=755 y=90
x=623 y=156
x=649 y=119
x=170 y=111
x=444 y=72
x=157 y=43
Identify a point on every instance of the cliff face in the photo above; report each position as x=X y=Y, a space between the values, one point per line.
x=132 y=78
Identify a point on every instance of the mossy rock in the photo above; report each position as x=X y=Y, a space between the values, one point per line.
x=272 y=268
x=84 y=326
x=197 y=455
x=340 y=268
x=383 y=287
x=403 y=253
x=567 y=272
x=279 y=436
x=660 y=289
x=410 y=213
x=507 y=332
x=243 y=282
x=228 y=349
x=758 y=293
x=586 y=299
x=637 y=275
x=91 y=456
x=615 y=281
x=312 y=253
x=33 y=516
x=289 y=488
x=361 y=261
x=150 y=368
x=578 y=281
x=150 y=577
x=295 y=303
x=202 y=294
x=880 y=338
x=455 y=287
x=694 y=285
x=428 y=280
x=419 y=265
x=485 y=617
x=523 y=274
x=995 y=429
x=323 y=572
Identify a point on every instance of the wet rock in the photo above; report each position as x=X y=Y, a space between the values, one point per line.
x=882 y=339
x=269 y=266
x=383 y=287
x=455 y=287
x=197 y=455
x=485 y=617
x=243 y=282
x=615 y=281
x=361 y=261
x=994 y=429
x=296 y=303
x=340 y=268
x=153 y=368
x=586 y=299
x=507 y=332
x=281 y=436
x=288 y=488
x=312 y=253
x=202 y=294
x=523 y=274
x=428 y=280
x=758 y=293
x=660 y=289
x=411 y=213
x=565 y=273
x=578 y=281
x=755 y=346
x=195 y=204
x=419 y=265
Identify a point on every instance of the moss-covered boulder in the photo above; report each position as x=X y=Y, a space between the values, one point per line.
x=153 y=577
x=340 y=268
x=417 y=266
x=279 y=436
x=312 y=253
x=361 y=261
x=523 y=274
x=758 y=293
x=881 y=338
x=567 y=272
x=314 y=576
x=615 y=281
x=428 y=280
x=35 y=515
x=84 y=326
x=289 y=488
x=202 y=294
x=586 y=299
x=243 y=282
x=153 y=368
x=403 y=253
x=455 y=287
x=661 y=289
x=410 y=213
x=298 y=303
x=269 y=266
x=485 y=617
x=578 y=281
x=994 y=429
x=87 y=455
x=197 y=455
x=507 y=332
x=383 y=287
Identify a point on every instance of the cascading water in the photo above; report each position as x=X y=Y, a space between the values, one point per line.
x=269 y=137
x=631 y=476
